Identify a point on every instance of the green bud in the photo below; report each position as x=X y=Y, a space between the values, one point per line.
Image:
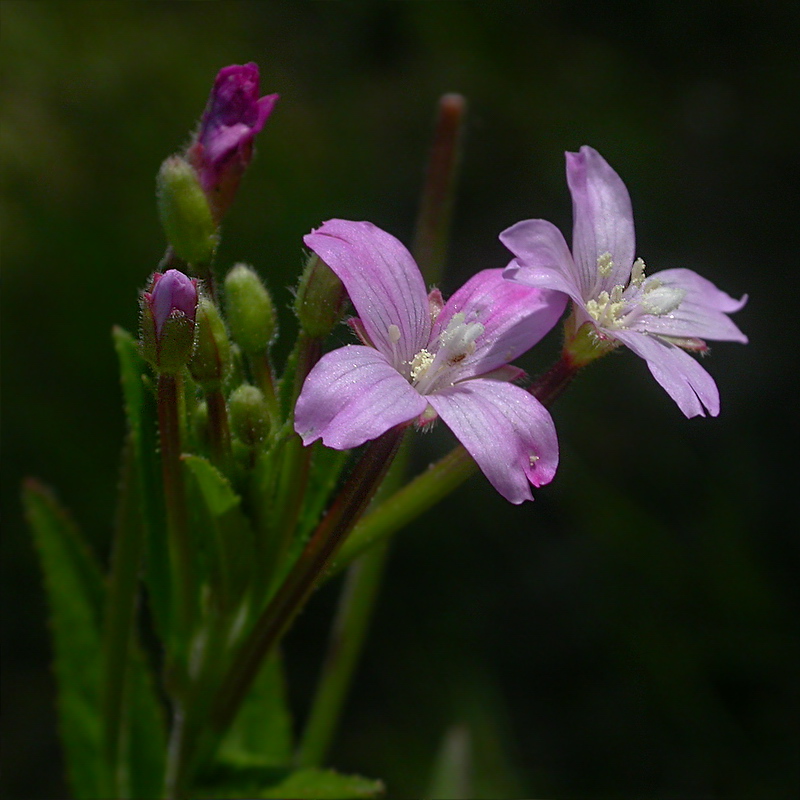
x=185 y=212
x=248 y=415
x=320 y=298
x=211 y=361
x=250 y=310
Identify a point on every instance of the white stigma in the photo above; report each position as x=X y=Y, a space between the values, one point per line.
x=661 y=300
x=458 y=338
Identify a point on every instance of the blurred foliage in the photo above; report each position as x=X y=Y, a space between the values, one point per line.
x=634 y=631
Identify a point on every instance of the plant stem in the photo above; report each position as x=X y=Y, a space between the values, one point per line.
x=279 y=523
x=347 y=636
x=407 y=504
x=436 y=203
x=169 y=391
x=547 y=388
x=261 y=368
x=351 y=502
x=177 y=761
x=219 y=430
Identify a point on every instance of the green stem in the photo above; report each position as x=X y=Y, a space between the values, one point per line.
x=407 y=504
x=279 y=522
x=347 y=636
x=351 y=502
x=547 y=388
x=118 y=626
x=177 y=761
x=219 y=431
x=436 y=204
x=169 y=391
x=261 y=367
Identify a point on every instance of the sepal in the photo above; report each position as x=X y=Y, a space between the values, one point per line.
x=320 y=298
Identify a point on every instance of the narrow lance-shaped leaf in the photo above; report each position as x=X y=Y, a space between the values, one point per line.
x=230 y=544
x=75 y=591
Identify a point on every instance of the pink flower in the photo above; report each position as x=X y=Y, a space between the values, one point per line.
x=422 y=359
x=223 y=146
x=658 y=317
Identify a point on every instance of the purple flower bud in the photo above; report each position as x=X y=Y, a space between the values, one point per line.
x=223 y=146
x=167 y=323
x=173 y=291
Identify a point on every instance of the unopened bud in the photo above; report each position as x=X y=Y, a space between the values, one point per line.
x=167 y=322
x=185 y=212
x=250 y=311
x=211 y=361
x=320 y=298
x=223 y=146
x=249 y=415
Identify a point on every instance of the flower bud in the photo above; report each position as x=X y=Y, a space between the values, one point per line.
x=167 y=321
x=249 y=415
x=211 y=361
x=250 y=310
x=185 y=212
x=223 y=146
x=320 y=298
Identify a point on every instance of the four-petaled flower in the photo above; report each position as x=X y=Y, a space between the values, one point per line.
x=223 y=145
x=422 y=359
x=658 y=317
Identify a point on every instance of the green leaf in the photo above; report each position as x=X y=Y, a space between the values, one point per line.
x=75 y=590
x=231 y=547
x=262 y=730
x=141 y=413
x=216 y=488
x=242 y=781
x=145 y=738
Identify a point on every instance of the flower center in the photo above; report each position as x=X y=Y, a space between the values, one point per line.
x=456 y=342
x=623 y=305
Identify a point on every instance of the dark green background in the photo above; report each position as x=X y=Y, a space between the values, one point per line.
x=632 y=633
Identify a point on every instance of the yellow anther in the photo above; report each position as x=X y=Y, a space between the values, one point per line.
x=604 y=264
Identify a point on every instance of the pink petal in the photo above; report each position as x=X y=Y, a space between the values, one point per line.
x=353 y=395
x=514 y=318
x=542 y=258
x=701 y=314
x=685 y=381
x=603 y=219
x=508 y=432
x=382 y=280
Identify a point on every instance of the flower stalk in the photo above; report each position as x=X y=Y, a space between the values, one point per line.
x=169 y=390
x=349 y=505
